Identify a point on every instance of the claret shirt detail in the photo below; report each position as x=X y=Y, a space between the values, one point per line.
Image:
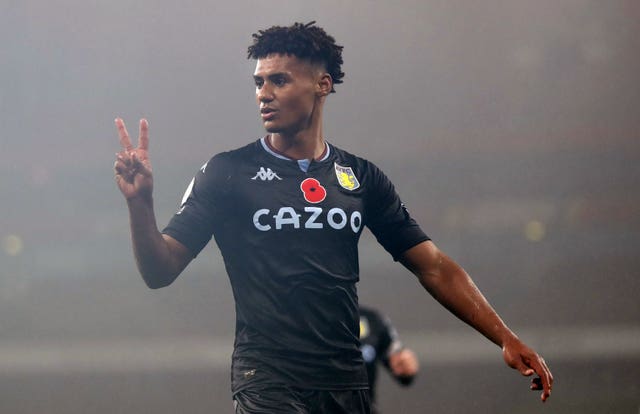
x=289 y=240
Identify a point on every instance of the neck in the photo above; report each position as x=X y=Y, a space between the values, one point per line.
x=308 y=144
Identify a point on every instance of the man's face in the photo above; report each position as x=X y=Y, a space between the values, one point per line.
x=288 y=92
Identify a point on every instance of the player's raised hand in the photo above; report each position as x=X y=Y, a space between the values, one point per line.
x=132 y=166
x=522 y=358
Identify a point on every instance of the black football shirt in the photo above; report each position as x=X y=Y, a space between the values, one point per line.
x=289 y=240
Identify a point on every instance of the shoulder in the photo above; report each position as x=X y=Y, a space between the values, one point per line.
x=371 y=178
x=226 y=160
x=214 y=175
x=238 y=153
x=344 y=155
x=358 y=164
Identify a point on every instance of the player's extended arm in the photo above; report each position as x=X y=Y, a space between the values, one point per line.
x=450 y=285
x=160 y=258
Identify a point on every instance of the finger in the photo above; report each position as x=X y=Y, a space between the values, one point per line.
x=121 y=169
x=143 y=140
x=545 y=395
x=118 y=166
x=139 y=166
x=124 y=158
x=527 y=372
x=125 y=141
x=520 y=366
x=546 y=378
x=536 y=384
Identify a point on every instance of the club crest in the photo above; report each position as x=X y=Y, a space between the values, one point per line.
x=346 y=177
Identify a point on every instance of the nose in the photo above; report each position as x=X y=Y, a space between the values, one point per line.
x=264 y=94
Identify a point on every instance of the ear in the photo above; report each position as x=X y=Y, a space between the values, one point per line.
x=324 y=85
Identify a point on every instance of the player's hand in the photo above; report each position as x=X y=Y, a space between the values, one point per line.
x=404 y=363
x=132 y=166
x=522 y=358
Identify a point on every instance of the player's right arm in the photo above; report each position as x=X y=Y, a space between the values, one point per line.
x=159 y=257
x=450 y=285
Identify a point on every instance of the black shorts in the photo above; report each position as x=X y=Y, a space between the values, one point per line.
x=271 y=399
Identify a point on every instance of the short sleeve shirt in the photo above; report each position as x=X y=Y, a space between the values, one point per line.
x=289 y=240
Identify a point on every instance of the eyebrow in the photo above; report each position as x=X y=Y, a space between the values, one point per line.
x=272 y=75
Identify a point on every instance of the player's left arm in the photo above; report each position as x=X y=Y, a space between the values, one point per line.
x=450 y=285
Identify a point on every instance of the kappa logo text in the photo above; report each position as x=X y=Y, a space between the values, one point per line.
x=265 y=175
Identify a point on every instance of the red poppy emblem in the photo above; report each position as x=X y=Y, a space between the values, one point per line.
x=313 y=191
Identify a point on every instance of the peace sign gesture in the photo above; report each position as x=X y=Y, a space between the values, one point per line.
x=132 y=166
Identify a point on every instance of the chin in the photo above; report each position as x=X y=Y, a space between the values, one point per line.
x=274 y=129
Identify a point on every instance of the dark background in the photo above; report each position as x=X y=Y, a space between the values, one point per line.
x=511 y=130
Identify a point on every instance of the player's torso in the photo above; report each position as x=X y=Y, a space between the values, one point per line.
x=274 y=205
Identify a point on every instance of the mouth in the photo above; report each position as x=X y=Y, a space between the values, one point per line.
x=267 y=113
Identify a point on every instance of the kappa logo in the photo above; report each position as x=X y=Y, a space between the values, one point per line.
x=266 y=175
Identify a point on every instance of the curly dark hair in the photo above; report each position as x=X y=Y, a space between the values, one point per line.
x=304 y=41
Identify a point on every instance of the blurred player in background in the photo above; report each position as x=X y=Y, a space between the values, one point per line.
x=381 y=345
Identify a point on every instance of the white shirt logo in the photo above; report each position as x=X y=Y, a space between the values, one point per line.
x=266 y=175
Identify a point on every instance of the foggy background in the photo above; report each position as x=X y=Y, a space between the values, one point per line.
x=510 y=128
